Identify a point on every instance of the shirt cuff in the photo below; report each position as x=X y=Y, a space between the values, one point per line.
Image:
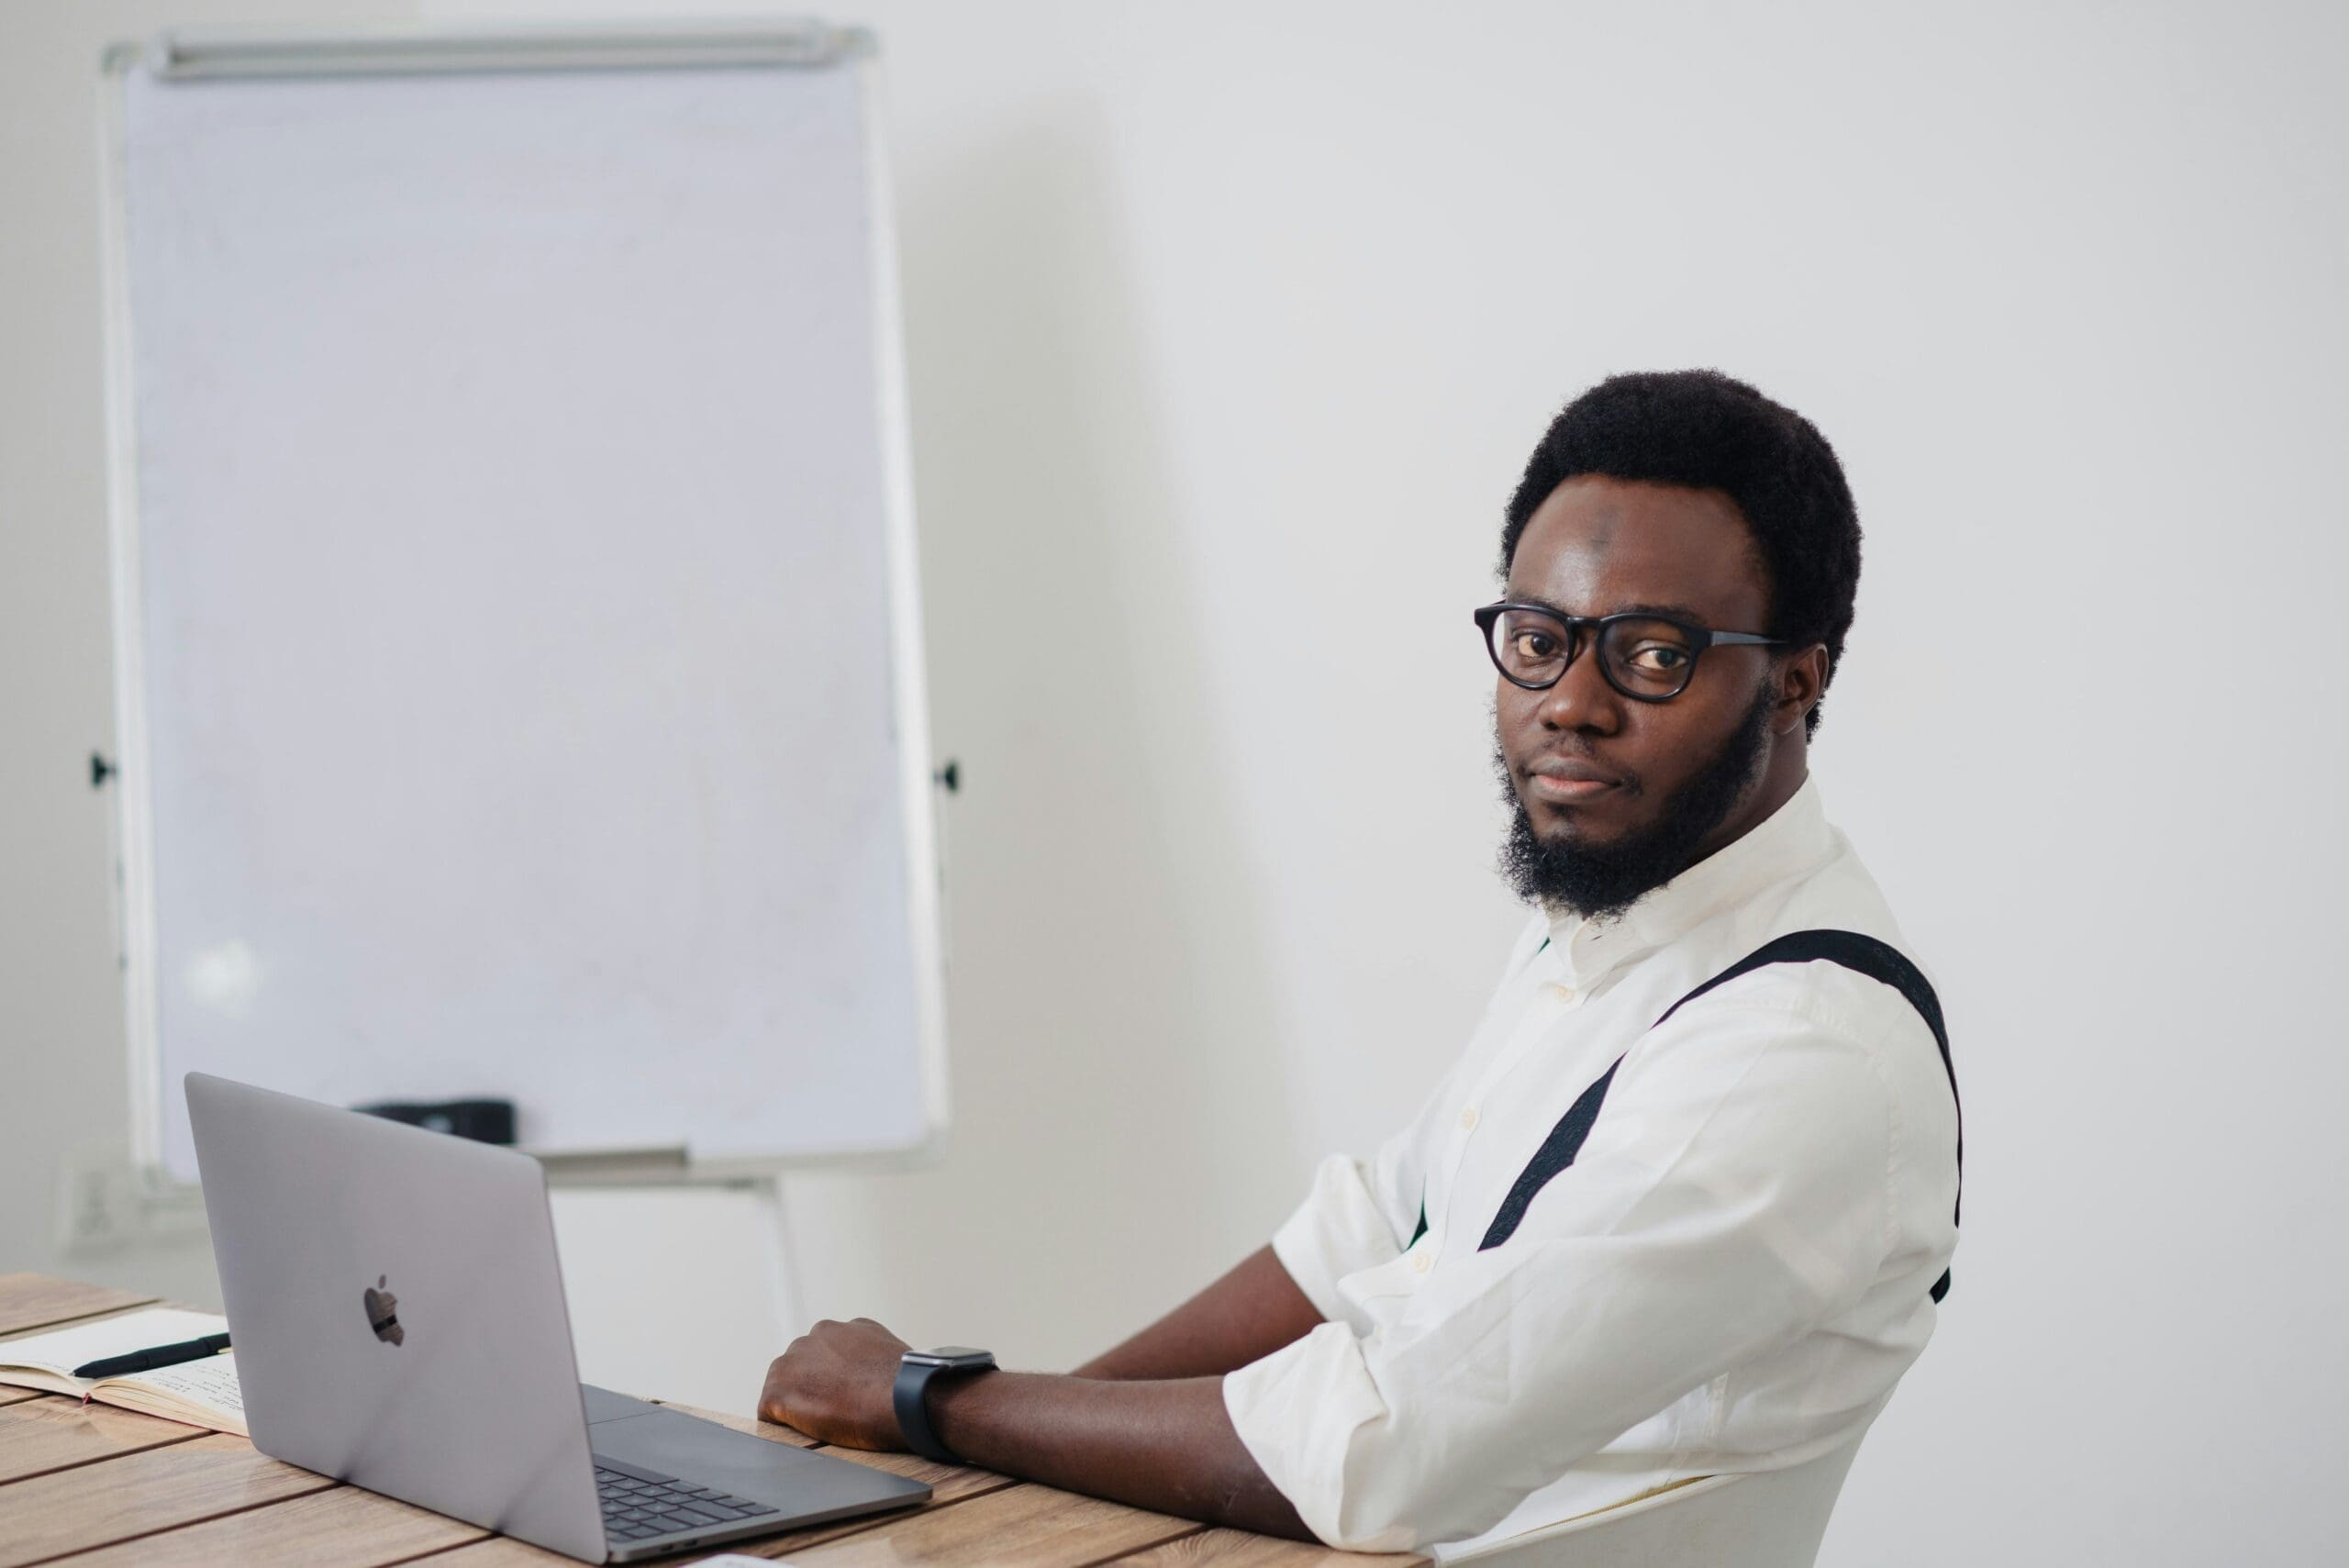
x=1336 y=1231
x=1295 y=1412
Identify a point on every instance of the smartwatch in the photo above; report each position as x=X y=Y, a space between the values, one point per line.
x=915 y=1370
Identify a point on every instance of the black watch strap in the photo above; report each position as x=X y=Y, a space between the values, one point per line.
x=911 y=1392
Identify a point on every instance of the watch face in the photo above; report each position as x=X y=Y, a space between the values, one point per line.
x=951 y=1355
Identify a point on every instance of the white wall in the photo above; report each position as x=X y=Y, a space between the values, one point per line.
x=1229 y=328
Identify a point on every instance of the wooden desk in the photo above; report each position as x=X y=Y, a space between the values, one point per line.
x=90 y=1486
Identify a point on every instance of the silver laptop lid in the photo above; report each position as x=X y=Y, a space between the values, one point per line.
x=397 y=1311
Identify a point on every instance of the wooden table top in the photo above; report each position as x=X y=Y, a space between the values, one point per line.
x=91 y=1485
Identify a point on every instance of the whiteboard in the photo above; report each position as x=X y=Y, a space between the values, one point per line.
x=520 y=685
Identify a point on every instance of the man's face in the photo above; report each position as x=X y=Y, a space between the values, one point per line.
x=1661 y=785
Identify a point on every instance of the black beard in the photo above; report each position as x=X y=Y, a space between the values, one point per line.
x=1602 y=881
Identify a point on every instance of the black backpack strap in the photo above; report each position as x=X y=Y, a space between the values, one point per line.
x=1849 y=950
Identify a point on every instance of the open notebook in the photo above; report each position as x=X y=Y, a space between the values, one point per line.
x=200 y=1393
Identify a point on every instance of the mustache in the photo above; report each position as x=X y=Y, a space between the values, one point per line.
x=1565 y=750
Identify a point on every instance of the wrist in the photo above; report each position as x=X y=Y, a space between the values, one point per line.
x=922 y=1377
x=954 y=1400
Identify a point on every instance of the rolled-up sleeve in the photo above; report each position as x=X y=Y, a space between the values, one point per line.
x=1357 y=1214
x=1734 y=1195
x=1339 y=1229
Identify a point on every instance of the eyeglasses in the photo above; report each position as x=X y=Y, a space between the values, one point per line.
x=1648 y=658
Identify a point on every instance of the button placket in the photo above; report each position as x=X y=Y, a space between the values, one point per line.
x=1540 y=1010
x=1534 y=1024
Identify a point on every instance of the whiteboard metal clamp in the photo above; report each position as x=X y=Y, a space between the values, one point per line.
x=197 y=53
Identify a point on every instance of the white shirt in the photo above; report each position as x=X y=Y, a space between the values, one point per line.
x=1732 y=1276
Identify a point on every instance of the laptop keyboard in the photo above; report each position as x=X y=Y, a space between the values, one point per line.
x=641 y=1504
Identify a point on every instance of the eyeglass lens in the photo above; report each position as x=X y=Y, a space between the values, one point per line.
x=1646 y=658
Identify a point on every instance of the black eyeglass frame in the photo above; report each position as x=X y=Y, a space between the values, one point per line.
x=1700 y=638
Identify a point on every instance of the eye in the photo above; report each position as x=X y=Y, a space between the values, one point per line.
x=1533 y=644
x=1659 y=657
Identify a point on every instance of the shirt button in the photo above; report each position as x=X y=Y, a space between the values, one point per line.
x=1468 y=1118
x=1564 y=993
x=1421 y=1263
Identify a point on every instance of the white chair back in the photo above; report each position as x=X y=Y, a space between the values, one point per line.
x=1773 y=1519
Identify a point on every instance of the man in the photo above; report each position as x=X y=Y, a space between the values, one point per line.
x=1615 y=1250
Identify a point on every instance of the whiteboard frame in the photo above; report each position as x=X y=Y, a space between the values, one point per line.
x=199 y=54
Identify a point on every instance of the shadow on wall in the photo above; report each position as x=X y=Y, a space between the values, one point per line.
x=1120 y=1131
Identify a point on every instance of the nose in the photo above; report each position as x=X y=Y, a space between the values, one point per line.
x=1582 y=699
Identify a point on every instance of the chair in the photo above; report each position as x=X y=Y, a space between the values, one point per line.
x=1773 y=1518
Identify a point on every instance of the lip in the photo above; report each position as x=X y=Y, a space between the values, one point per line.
x=1564 y=780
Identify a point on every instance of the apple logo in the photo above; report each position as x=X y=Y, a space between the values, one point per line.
x=382 y=1312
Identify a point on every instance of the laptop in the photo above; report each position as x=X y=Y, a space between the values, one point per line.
x=399 y=1324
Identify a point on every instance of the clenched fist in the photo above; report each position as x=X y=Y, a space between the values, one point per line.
x=833 y=1382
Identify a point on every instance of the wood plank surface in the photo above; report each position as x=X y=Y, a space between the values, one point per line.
x=344 y=1527
x=53 y=1432
x=98 y=1487
x=1245 y=1548
x=139 y=1494
x=30 y=1302
x=1027 y=1524
x=505 y=1552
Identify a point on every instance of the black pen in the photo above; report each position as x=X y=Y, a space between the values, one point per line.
x=160 y=1355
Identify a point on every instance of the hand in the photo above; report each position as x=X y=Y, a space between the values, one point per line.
x=835 y=1382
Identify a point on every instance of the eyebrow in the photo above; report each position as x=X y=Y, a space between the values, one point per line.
x=1672 y=612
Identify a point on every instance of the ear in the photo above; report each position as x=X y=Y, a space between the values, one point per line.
x=1801 y=680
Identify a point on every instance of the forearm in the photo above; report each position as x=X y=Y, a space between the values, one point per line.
x=1254 y=1309
x=1168 y=1446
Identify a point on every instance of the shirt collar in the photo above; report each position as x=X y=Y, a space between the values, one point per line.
x=1788 y=841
